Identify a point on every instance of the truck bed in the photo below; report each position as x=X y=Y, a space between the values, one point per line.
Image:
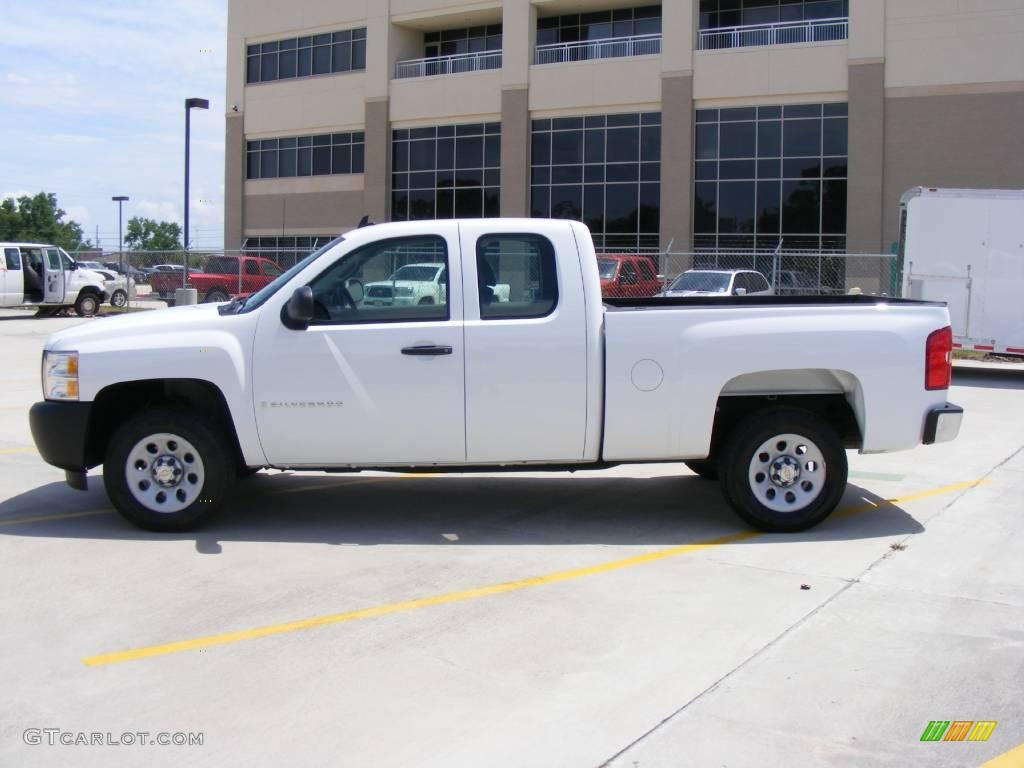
x=839 y=300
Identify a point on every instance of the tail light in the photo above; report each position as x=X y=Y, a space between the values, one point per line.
x=938 y=368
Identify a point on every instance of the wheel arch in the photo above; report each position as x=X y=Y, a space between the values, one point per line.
x=834 y=395
x=119 y=402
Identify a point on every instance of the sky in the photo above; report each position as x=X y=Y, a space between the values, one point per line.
x=92 y=105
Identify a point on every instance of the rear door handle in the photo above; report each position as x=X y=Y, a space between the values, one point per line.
x=426 y=350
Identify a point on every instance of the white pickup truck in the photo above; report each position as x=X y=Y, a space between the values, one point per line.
x=767 y=392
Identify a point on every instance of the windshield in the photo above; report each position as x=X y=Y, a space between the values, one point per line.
x=711 y=282
x=260 y=297
x=417 y=274
x=606 y=267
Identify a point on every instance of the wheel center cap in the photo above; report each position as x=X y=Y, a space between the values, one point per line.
x=785 y=471
x=167 y=471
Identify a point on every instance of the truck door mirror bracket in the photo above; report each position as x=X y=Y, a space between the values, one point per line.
x=297 y=313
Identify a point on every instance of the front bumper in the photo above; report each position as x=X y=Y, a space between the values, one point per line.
x=943 y=424
x=60 y=431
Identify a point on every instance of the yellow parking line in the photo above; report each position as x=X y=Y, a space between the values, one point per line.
x=911 y=497
x=11 y=451
x=1012 y=759
x=49 y=518
x=457 y=597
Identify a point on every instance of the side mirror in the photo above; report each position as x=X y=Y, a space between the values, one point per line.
x=740 y=292
x=298 y=312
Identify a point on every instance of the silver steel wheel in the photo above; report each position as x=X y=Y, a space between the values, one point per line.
x=787 y=473
x=164 y=472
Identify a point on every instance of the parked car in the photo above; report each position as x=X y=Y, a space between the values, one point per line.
x=719 y=282
x=225 y=277
x=135 y=274
x=117 y=287
x=411 y=284
x=790 y=282
x=44 y=276
x=767 y=392
x=624 y=275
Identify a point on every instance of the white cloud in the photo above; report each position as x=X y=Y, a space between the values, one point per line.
x=104 y=116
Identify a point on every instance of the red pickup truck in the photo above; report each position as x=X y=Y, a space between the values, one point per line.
x=224 y=278
x=628 y=276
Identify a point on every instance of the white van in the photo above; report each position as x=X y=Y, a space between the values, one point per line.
x=966 y=247
x=44 y=276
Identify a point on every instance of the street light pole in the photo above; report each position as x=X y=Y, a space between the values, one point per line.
x=121 y=200
x=190 y=104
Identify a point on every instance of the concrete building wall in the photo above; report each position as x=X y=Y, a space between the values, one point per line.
x=935 y=91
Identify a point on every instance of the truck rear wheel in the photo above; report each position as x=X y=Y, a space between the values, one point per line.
x=783 y=470
x=166 y=471
x=87 y=305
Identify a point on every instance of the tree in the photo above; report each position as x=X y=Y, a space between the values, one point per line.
x=39 y=219
x=150 y=235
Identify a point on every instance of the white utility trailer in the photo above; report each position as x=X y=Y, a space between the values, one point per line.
x=966 y=247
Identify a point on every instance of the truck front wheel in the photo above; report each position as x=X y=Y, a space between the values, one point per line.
x=87 y=305
x=783 y=470
x=216 y=296
x=166 y=471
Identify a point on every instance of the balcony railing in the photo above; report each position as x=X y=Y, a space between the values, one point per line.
x=448 y=65
x=783 y=33
x=608 y=48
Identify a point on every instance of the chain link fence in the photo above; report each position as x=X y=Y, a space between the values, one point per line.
x=219 y=275
x=787 y=273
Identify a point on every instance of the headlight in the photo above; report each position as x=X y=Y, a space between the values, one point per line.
x=60 y=375
x=403 y=290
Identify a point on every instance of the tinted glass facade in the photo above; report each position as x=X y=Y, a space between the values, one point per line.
x=603 y=170
x=452 y=42
x=737 y=13
x=445 y=172
x=343 y=51
x=599 y=25
x=328 y=154
x=765 y=174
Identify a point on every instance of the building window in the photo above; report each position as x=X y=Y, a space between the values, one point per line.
x=715 y=14
x=454 y=42
x=599 y=25
x=329 y=154
x=343 y=51
x=445 y=172
x=603 y=170
x=286 y=251
x=765 y=175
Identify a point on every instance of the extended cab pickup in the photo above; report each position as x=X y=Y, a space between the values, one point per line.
x=223 y=278
x=767 y=392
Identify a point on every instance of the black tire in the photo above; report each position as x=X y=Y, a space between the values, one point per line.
x=119 y=298
x=807 y=494
x=216 y=296
x=87 y=304
x=706 y=469
x=216 y=469
x=426 y=300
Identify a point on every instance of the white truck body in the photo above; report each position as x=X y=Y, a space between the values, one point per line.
x=61 y=282
x=965 y=247
x=584 y=384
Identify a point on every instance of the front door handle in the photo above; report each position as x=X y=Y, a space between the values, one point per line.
x=427 y=350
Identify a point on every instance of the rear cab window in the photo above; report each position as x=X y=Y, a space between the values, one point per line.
x=516 y=276
x=12 y=258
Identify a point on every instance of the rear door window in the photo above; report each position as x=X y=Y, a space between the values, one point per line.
x=13 y=258
x=646 y=270
x=516 y=276
x=628 y=276
x=252 y=268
